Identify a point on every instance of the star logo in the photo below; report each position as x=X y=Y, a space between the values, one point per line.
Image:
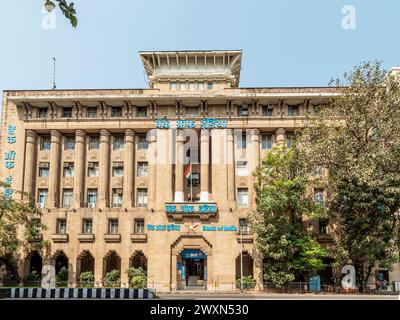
x=191 y=227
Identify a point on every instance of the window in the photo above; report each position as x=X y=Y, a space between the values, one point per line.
x=143 y=144
x=87 y=226
x=69 y=143
x=91 y=112
x=43 y=169
x=118 y=169
x=92 y=196
x=243 y=111
x=142 y=169
x=141 y=112
x=244 y=227
x=93 y=169
x=67 y=198
x=241 y=167
x=266 y=141
x=61 y=227
x=67 y=112
x=192 y=111
x=116 y=112
x=201 y=85
x=118 y=142
x=117 y=198
x=94 y=142
x=192 y=86
x=182 y=86
x=42 y=113
x=267 y=111
x=42 y=196
x=323 y=226
x=242 y=197
x=142 y=198
x=241 y=142
x=68 y=169
x=173 y=86
x=210 y=85
x=45 y=143
x=195 y=180
x=289 y=140
x=293 y=111
x=319 y=198
x=112 y=226
x=139 y=226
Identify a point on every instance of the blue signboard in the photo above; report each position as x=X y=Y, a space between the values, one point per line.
x=193 y=254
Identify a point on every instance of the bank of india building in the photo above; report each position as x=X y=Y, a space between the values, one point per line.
x=159 y=178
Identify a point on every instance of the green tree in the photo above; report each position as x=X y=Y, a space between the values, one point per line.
x=282 y=202
x=355 y=137
x=66 y=8
x=137 y=278
x=112 y=279
x=62 y=277
x=248 y=282
x=86 y=279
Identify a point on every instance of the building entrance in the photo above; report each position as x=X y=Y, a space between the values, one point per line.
x=192 y=269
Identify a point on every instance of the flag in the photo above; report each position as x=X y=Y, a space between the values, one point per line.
x=188 y=172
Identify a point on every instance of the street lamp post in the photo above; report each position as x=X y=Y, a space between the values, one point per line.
x=241 y=258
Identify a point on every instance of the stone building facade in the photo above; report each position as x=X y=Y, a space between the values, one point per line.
x=110 y=169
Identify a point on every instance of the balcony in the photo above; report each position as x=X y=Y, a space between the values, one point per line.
x=139 y=237
x=112 y=237
x=59 y=237
x=36 y=238
x=245 y=238
x=204 y=210
x=86 y=237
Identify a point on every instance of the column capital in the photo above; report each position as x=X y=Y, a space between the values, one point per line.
x=255 y=132
x=80 y=133
x=152 y=135
x=55 y=136
x=31 y=136
x=280 y=131
x=105 y=133
x=129 y=136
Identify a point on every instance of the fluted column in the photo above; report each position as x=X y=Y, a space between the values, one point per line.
x=230 y=164
x=152 y=139
x=255 y=160
x=30 y=162
x=129 y=174
x=280 y=136
x=104 y=168
x=54 y=176
x=204 y=164
x=179 y=196
x=79 y=167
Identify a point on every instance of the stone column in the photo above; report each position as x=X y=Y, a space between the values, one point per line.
x=152 y=138
x=230 y=164
x=280 y=136
x=179 y=196
x=30 y=163
x=204 y=164
x=129 y=173
x=255 y=144
x=104 y=168
x=79 y=167
x=54 y=176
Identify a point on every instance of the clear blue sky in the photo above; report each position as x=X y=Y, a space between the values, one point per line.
x=285 y=42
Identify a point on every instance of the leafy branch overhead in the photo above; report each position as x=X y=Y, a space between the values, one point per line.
x=66 y=8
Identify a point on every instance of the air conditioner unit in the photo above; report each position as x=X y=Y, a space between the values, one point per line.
x=244 y=112
x=90 y=164
x=91 y=205
x=40 y=205
x=118 y=191
x=66 y=164
x=43 y=165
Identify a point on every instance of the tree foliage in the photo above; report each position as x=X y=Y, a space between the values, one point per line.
x=66 y=8
x=137 y=278
x=355 y=137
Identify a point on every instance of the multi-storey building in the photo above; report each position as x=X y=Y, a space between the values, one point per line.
x=159 y=178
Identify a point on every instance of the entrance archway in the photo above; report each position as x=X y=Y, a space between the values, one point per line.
x=85 y=263
x=60 y=263
x=247 y=265
x=112 y=261
x=138 y=260
x=33 y=267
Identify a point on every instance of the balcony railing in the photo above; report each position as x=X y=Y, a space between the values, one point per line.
x=139 y=237
x=112 y=237
x=59 y=237
x=86 y=237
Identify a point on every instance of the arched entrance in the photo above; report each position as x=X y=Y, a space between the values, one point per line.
x=85 y=263
x=138 y=260
x=60 y=263
x=33 y=267
x=244 y=264
x=112 y=261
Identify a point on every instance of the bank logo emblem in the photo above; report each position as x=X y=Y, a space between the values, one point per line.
x=191 y=227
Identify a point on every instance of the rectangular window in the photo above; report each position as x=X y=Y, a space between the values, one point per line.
x=293 y=111
x=192 y=111
x=139 y=226
x=61 y=226
x=142 y=169
x=141 y=112
x=241 y=167
x=210 y=85
x=241 y=141
x=243 y=111
x=118 y=169
x=289 y=140
x=113 y=226
x=182 y=86
x=117 y=198
x=142 y=144
x=92 y=196
x=94 y=142
x=244 y=227
x=45 y=143
x=323 y=226
x=116 y=112
x=69 y=169
x=87 y=226
x=201 y=85
x=67 y=112
x=141 y=198
x=267 y=111
x=242 y=198
x=118 y=142
x=192 y=86
x=42 y=113
x=42 y=196
x=173 y=86
x=319 y=197
x=91 y=112
x=93 y=169
x=195 y=180
x=69 y=143
x=266 y=141
x=44 y=169
x=67 y=198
